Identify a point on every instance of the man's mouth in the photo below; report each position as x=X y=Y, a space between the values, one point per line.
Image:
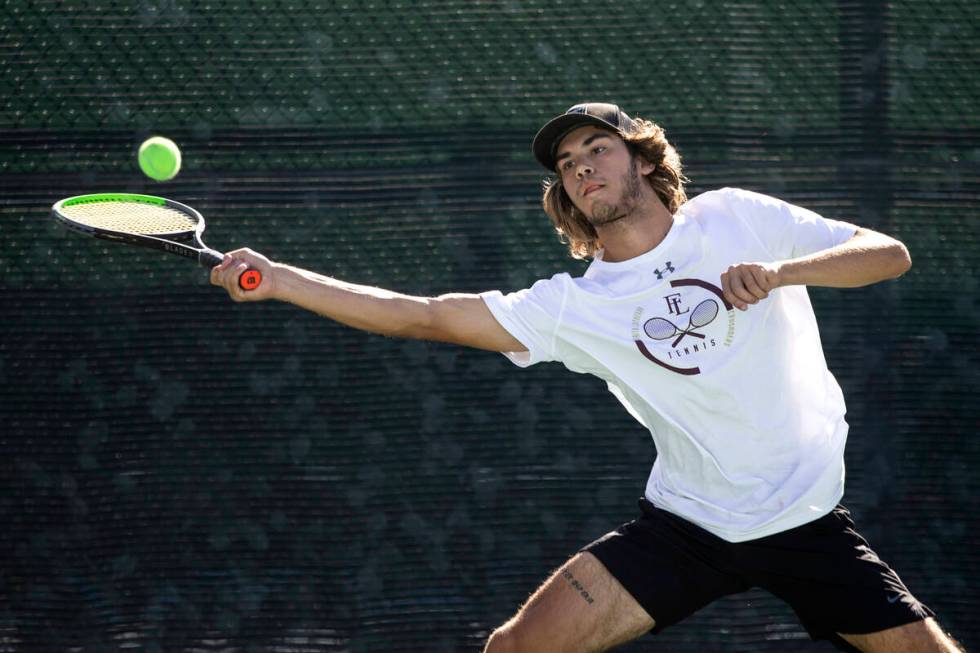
x=591 y=188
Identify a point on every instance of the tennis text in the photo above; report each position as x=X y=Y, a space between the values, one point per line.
x=692 y=349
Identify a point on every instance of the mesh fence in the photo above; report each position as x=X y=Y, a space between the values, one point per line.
x=181 y=473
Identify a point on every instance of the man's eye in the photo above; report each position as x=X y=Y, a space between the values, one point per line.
x=598 y=149
x=567 y=165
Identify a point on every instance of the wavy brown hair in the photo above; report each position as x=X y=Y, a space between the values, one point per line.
x=649 y=141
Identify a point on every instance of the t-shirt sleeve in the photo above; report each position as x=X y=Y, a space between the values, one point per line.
x=787 y=230
x=532 y=316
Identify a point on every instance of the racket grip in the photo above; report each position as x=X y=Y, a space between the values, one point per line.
x=247 y=280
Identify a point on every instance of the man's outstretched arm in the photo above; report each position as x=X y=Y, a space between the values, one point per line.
x=867 y=257
x=456 y=318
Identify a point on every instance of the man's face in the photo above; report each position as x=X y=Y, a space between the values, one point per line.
x=599 y=174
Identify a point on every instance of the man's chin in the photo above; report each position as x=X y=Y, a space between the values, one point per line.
x=605 y=214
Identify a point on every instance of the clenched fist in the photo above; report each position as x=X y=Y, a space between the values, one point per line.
x=747 y=283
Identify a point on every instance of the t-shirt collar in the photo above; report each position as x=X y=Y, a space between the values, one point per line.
x=598 y=266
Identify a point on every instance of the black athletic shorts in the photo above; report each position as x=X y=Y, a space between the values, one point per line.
x=825 y=570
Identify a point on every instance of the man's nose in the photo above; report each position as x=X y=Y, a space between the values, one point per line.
x=584 y=171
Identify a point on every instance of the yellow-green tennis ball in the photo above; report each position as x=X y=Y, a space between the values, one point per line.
x=159 y=158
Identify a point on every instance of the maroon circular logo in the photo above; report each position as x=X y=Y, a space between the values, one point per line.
x=685 y=326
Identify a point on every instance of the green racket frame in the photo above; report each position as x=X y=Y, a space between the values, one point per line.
x=186 y=242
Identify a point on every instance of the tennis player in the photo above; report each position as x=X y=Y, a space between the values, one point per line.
x=695 y=313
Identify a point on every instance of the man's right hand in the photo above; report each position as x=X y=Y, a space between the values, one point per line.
x=226 y=275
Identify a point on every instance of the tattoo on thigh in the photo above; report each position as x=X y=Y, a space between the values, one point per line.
x=577 y=586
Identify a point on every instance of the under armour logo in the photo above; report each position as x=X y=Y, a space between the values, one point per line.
x=667 y=268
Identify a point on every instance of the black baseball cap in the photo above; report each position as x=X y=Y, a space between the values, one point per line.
x=599 y=114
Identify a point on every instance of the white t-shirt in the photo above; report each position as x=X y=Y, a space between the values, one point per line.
x=747 y=420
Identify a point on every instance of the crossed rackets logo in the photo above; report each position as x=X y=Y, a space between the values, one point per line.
x=659 y=328
x=704 y=313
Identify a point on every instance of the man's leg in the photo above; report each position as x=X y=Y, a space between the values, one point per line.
x=919 y=637
x=581 y=608
x=842 y=590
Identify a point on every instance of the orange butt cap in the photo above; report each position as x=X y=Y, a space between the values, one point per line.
x=250 y=279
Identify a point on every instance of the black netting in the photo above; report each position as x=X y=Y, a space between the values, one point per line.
x=181 y=473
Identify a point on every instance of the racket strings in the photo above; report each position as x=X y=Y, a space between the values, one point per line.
x=704 y=313
x=131 y=217
x=659 y=329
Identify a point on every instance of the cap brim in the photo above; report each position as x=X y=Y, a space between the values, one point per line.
x=548 y=137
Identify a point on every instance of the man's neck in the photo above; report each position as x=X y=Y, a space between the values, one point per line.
x=635 y=234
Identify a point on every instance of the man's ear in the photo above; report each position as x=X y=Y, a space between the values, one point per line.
x=645 y=166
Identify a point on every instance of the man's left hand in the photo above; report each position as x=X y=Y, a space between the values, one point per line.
x=747 y=283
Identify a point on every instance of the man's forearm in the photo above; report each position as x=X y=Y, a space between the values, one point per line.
x=867 y=258
x=362 y=307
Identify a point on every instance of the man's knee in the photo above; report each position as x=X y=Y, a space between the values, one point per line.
x=505 y=639
x=917 y=637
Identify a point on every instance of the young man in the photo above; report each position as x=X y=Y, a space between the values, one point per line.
x=695 y=313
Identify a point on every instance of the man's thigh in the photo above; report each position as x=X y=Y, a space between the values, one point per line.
x=580 y=608
x=833 y=579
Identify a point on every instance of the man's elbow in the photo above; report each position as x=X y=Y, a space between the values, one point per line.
x=890 y=256
x=901 y=260
x=409 y=317
x=431 y=319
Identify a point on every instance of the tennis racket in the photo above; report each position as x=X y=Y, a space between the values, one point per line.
x=146 y=221
x=702 y=315
x=659 y=328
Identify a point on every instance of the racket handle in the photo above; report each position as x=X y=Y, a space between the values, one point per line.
x=247 y=280
x=208 y=258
